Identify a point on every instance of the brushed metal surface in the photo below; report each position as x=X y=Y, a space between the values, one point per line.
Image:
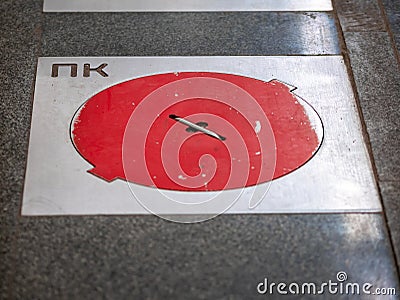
x=338 y=179
x=185 y=5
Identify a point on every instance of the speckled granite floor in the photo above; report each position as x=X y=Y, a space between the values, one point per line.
x=145 y=257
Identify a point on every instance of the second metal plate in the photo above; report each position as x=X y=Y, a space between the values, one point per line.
x=185 y=5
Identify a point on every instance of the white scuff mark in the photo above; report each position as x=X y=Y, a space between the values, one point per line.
x=181 y=177
x=176 y=94
x=257 y=129
x=203 y=175
x=258 y=152
x=176 y=73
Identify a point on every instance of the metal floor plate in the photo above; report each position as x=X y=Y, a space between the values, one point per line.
x=185 y=5
x=338 y=178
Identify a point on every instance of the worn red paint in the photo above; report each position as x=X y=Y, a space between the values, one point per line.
x=99 y=126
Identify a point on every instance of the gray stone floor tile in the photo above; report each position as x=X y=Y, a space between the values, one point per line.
x=359 y=15
x=15 y=110
x=225 y=258
x=378 y=84
x=392 y=8
x=19 y=46
x=148 y=258
x=397 y=41
x=19 y=14
x=391 y=199
x=7 y=242
x=130 y=34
